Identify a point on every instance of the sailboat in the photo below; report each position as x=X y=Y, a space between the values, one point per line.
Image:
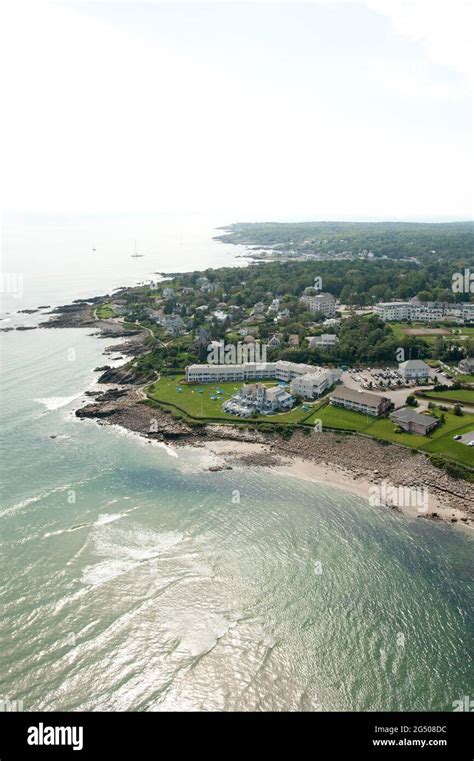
x=135 y=255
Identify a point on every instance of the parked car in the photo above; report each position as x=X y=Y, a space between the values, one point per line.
x=456 y=438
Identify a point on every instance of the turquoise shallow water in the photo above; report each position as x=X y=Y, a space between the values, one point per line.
x=132 y=580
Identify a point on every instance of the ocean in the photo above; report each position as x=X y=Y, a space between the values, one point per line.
x=133 y=579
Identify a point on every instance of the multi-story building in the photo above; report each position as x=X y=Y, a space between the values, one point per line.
x=256 y=397
x=320 y=302
x=312 y=385
x=425 y=311
x=274 y=307
x=359 y=401
x=413 y=369
x=214 y=373
x=314 y=380
x=324 y=341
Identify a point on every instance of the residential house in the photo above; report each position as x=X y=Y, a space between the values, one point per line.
x=466 y=366
x=413 y=422
x=326 y=340
x=275 y=340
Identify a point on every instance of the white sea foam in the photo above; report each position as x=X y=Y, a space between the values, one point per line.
x=56 y=402
x=123 y=550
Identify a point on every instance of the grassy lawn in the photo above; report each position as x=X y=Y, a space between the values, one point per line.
x=460 y=395
x=456 y=450
x=199 y=404
x=105 y=311
x=337 y=417
x=194 y=404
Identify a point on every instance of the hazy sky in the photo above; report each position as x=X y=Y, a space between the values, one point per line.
x=247 y=110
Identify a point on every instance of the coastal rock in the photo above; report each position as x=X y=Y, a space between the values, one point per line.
x=119 y=375
x=95 y=411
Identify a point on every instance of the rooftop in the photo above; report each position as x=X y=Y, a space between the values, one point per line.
x=410 y=416
x=352 y=395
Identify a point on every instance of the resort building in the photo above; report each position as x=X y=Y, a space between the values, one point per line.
x=318 y=379
x=312 y=385
x=321 y=302
x=213 y=373
x=359 y=401
x=411 y=421
x=256 y=397
x=425 y=311
x=413 y=369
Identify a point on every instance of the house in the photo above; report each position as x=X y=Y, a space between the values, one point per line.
x=294 y=340
x=413 y=422
x=119 y=308
x=467 y=366
x=320 y=302
x=413 y=369
x=275 y=340
x=172 y=324
x=324 y=341
x=258 y=308
x=274 y=307
x=283 y=314
x=331 y=322
x=168 y=293
x=359 y=401
x=313 y=384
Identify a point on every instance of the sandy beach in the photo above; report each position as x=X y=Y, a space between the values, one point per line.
x=366 y=488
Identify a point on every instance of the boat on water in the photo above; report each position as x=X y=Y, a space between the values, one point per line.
x=135 y=254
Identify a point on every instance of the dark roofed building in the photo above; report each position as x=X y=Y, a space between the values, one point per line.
x=360 y=401
x=414 y=422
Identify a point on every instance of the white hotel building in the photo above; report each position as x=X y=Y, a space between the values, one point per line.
x=307 y=381
x=425 y=311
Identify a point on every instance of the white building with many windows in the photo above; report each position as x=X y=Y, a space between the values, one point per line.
x=413 y=369
x=425 y=311
x=312 y=385
x=307 y=381
x=326 y=340
x=320 y=302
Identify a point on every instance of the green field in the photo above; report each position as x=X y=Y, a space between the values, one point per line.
x=195 y=400
x=464 y=395
x=440 y=441
x=104 y=312
x=338 y=417
x=456 y=450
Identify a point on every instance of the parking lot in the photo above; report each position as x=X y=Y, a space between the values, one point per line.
x=384 y=381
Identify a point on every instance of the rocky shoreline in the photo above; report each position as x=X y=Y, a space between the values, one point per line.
x=356 y=458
